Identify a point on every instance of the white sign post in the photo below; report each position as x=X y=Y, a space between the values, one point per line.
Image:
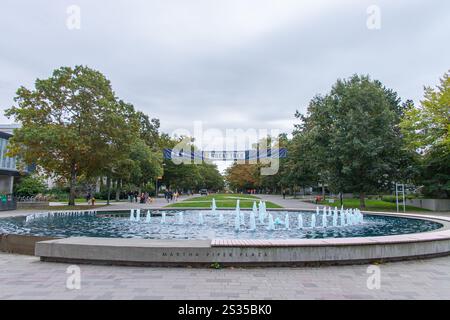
x=400 y=191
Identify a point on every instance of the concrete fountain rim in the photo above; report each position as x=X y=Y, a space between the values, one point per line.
x=265 y=252
x=442 y=233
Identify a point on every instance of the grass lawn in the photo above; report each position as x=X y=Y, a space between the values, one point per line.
x=222 y=201
x=372 y=205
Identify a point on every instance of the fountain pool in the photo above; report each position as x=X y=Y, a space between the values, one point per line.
x=220 y=224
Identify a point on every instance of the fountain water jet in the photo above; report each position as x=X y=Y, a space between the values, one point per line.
x=262 y=215
x=271 y=225
x=242 y=218
x=342 y=218
x=300 y=221
x=252 y=221
x=324 y=220
x=138 y=215
x=278 y=221
x=335 y=217
x=313 y=221
x=237 y=221
x=180 y=217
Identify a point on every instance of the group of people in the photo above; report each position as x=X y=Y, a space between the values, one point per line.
x=137 y=197
x=170 y=195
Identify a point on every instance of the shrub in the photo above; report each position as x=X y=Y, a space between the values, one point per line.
x=29 y=186
x=388 y=198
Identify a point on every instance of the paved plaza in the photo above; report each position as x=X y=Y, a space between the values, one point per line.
x=25 y=277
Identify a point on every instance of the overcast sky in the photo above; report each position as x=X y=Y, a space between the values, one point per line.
x=228 y=63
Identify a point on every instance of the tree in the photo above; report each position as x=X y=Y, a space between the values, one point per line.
x=426 y=130
x=149 y=130
x=353 y=135
x=211 y=178
x=72 y=124
x=241 y=177
x=148 y=164
x=299 y=167
x=188 y=176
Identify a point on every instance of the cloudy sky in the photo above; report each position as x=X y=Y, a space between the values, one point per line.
x=228 y=63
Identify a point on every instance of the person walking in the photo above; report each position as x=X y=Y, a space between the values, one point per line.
x=284 y=194
x=166 y=195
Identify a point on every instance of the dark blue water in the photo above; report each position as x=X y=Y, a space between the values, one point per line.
x=122 y=227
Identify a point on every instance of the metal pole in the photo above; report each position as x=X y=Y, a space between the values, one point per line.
x=404 y=204
x=396 y=196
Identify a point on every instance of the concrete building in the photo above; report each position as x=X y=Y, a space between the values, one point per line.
x=8 y=168
x=9 y=128
x=8 y=165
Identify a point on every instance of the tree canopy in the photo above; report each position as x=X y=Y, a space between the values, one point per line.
x=72 y=125
x=426 y=131
x=359 y=138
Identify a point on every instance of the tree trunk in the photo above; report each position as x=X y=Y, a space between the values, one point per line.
x=118 y=185
x=108 y=186
x=72 y=183
x=362 y=200
x=341 y=198
x=323 y=192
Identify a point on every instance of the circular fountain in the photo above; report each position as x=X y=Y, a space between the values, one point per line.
x=256 y=236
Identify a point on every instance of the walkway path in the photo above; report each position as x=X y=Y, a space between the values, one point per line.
x=289 y=202
x=24 y=277
x=122 y=205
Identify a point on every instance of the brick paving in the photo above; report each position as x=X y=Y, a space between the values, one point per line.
x=25 y=277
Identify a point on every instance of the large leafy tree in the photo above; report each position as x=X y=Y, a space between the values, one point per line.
x=426 y=130
x=299 y=169
x=188 y=176
x=148 y=164
x=241 y=177
x=72 y=125
x=352 y=134
x=211 y=178
x=149 y=130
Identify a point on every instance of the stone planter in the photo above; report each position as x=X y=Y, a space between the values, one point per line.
x=430 y=204
x=32 y=205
